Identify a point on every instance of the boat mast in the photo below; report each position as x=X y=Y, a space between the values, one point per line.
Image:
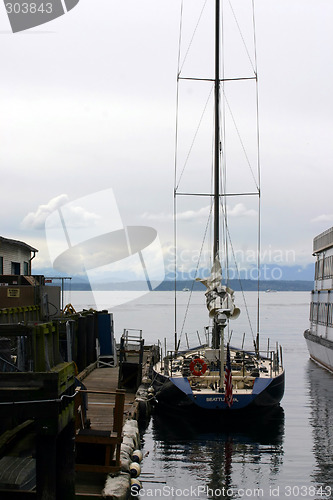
x=217 y=132
x=216 y=338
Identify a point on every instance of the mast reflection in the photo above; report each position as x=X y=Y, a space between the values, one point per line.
x=236 y=454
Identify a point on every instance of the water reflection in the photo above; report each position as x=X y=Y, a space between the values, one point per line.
x=320 y=383
x=219 y=461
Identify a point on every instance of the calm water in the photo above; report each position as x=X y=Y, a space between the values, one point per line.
x=288 y=454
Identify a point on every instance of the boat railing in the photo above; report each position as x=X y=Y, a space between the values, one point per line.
x=169 y=364
x=244 y=364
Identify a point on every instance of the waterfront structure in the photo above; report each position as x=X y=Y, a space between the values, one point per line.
x=16 y=257
x=319 y=336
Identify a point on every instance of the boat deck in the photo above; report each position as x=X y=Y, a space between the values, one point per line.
x=245 y=370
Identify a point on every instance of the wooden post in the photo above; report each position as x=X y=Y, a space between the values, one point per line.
x=46 y=469
x=139 y=374
x=66 y=463
x=90 y=339
x=119 y=411
x=118 y=420
x=121 y=360
x=82 y=343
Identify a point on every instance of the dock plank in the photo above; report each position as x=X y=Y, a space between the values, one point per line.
x=100 y=414
x=100 y=406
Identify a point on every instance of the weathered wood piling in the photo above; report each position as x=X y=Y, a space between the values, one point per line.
x=41 y=390
x=61 y=391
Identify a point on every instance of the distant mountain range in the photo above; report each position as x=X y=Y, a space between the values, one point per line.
x=185 y=285
x=287 y=278
x=246 y=285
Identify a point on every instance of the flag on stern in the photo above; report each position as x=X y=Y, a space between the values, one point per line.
x=228 y=380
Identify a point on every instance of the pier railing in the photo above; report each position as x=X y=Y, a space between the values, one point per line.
x=130 y=359
x=107 y=442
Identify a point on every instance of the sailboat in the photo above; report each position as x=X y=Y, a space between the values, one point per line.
x=219 y=378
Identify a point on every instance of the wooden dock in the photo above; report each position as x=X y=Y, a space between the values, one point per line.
x=101 y=384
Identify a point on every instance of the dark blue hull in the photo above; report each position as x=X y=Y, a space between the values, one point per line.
x=177 y=393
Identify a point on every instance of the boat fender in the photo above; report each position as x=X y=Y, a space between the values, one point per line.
x=198 y=367
x=137 y=456
x=135 y=469
x=135 y=487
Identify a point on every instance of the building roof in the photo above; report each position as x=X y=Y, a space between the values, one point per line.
x=19 y=243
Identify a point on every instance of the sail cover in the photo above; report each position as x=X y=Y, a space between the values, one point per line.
x=219 y=298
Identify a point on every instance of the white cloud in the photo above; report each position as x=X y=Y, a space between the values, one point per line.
x=78 y=217
x=162 y=216
x=240 y=210
x=186 y=215
x=194 y=214
x=36 y=220
x=323 y=218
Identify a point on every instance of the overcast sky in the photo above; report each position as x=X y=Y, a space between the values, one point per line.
x=88 y=103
